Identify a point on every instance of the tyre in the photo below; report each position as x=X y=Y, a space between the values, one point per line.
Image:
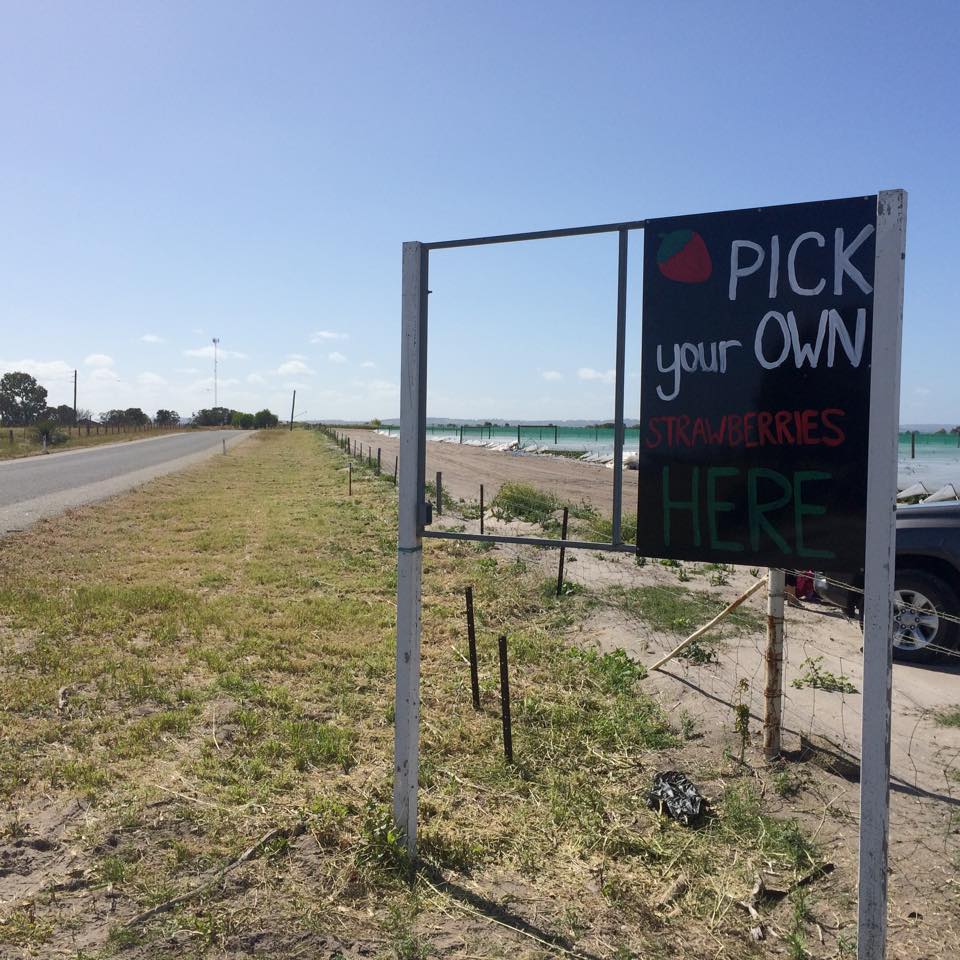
x=920 y=633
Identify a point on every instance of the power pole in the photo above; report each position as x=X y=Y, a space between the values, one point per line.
x=216 y=343
x=77 y=425
x=292 y=408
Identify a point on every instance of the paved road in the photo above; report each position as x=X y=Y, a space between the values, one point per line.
x=36 y=487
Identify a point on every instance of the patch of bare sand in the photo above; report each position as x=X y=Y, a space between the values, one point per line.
x=465 y=467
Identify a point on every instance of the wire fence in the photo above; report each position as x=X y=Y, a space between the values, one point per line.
x=717 y=686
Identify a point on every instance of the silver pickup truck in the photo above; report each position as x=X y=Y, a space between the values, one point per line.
x=926 y=598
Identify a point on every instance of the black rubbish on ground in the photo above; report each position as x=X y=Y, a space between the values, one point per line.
x=674 y=795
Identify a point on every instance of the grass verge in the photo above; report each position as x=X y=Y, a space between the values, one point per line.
x=210 y=659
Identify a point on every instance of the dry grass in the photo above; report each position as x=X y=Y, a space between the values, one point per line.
x=211 y=658
x=25 y=443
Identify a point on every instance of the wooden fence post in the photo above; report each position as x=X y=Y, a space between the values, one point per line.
x=773 y=693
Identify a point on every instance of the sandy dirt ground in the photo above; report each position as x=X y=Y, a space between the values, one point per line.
x=464 y=468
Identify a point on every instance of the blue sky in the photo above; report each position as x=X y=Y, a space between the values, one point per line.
x=176 y=171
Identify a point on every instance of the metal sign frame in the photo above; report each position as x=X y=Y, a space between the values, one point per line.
x=414 y=516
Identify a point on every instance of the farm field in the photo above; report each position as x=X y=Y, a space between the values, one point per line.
x=196 y=745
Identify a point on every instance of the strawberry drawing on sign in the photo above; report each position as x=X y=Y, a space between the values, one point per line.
x=683 y=256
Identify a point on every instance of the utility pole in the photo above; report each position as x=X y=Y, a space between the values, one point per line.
x=77 y=425
x=293 y=407
x=216 y=343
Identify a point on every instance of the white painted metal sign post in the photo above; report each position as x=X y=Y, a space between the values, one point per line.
x=795 y=483
x=878 y=573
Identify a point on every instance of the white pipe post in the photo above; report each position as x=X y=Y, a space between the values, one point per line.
x=878 y=573
x=409 y=547
x=773 y=693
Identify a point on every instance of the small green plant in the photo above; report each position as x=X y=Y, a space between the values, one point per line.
x=796 y=940
x=701 y=651
x=949 y=717
x=520 y=501
x=380 y=848
x=819 y=679
x=407 y=944
x=786 y=785
x=847 y=946
x=569 y=588
x=688 y=726
x=754 y=572
x=741 y=718
x=719 y=574
x=601 y=528
x=616 y=672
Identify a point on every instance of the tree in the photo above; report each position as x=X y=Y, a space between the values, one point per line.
x=167 y=418
x=135 y=416
x=22 y=399
x=62 y=415
x=263 y=419
x=214 y=417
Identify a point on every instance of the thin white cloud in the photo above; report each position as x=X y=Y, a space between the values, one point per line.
x=294 y=368
x=336 y=357
x=552 y=375
x=99 y=360
x=149 y=379
x=151 y=338
x=922 y=391
x=604 y=376
x=322 y=336
x=186 y=370
x=296 y=356
x=41 y=369
x=368 y=364
x=256 y=378
x=104 y=374
x=206 y=353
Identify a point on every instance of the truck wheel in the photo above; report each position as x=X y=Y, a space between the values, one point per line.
x=920 y=633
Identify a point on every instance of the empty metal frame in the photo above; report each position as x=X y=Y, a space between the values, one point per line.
x=623 y=230
x=414 y=511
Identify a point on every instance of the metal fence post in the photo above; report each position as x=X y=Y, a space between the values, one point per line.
x=410 y=542
x=773 y=693
x=505 y=700
x=563 y=550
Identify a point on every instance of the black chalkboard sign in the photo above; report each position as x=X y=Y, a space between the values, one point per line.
x=755 y=390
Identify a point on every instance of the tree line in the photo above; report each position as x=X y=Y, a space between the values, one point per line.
x=23 y=403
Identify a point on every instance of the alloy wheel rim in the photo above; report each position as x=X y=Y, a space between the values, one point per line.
x=915 y=620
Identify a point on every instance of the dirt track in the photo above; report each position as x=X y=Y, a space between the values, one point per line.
x=465 y=467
